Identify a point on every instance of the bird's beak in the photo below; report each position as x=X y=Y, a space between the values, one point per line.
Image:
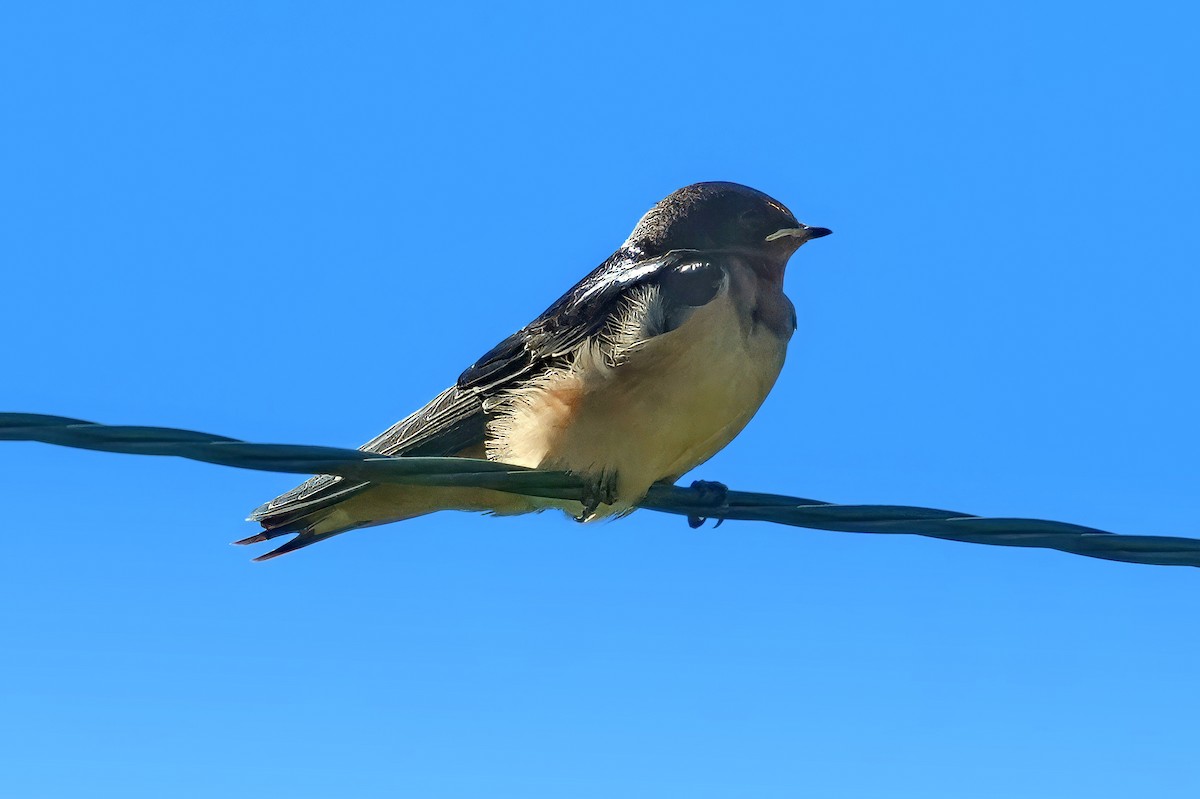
x=803 y=233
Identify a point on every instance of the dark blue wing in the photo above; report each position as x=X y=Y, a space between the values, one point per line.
x=683 y=277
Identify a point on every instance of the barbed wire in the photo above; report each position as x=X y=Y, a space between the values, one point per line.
x=690 y=502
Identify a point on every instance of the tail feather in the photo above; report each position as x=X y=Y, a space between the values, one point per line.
x=451 y=424
x=264 y=535
x=381 y=504
x=313 y=525
x=303 y=527
x=305 y=538
x=308 y=524
x=306 y=531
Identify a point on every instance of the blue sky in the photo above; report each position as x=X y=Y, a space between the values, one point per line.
x=296 y=224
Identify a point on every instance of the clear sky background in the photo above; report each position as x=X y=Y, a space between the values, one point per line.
x=297 y=222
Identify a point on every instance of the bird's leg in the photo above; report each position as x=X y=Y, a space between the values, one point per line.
x=599 y=488
x=710 y=493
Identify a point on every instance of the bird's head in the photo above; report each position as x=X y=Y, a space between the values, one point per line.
x=721 y=216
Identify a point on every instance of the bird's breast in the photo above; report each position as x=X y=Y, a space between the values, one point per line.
x=669 y=404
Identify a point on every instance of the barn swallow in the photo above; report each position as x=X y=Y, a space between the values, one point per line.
x=642 y=371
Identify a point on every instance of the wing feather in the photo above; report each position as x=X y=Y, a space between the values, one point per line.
x=452 y=422
x=582 y=312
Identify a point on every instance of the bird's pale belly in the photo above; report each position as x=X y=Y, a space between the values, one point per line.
x=671 y=404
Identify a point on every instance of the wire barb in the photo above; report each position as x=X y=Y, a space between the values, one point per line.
x=690 y=502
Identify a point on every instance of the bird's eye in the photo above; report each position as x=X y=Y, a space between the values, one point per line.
x=751 y=218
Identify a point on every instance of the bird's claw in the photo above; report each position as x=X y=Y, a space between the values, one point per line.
x=710 y=493
x=599 y=489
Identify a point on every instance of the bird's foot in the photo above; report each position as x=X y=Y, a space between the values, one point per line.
x=713 y=494
x=598 y=489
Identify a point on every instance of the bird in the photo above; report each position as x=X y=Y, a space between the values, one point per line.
x=643 y=370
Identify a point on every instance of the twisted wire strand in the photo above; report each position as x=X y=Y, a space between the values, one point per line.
x=470 y=472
